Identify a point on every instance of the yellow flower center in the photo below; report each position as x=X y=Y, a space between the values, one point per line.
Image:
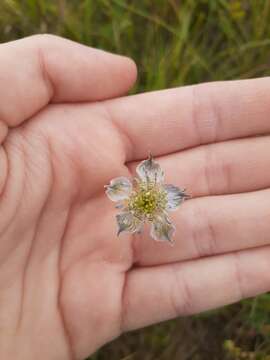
x=147 y=200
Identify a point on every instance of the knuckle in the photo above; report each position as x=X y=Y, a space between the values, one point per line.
x=182 y=300
x=238 y=275
x=216 y=171
x=209 y=168
x=202 y=230
x=206 y=116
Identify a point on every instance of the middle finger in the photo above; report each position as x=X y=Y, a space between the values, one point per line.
x=210 y=226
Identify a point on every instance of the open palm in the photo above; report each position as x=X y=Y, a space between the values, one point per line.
x=67 y=283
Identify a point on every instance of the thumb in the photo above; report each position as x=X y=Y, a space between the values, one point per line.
x=45 y=68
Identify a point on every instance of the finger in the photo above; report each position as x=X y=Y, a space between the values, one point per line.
x=209 y=226
x=159 y=293
x=228 y=167
x=44 y=68
x=171 y=120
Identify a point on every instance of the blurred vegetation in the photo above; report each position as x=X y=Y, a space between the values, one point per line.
x=174 y=43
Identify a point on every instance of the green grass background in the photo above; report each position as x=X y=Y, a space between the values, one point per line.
x=174 y=43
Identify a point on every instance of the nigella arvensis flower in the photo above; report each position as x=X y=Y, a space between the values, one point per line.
x=146 y=199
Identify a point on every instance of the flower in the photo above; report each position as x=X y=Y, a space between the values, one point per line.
x=146 y=199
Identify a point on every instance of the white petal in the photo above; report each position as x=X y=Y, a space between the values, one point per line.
x=118 y=189
x=175 y=197
x=119 y=205
x=150 y=170
x=129 y=223
x=162 y=229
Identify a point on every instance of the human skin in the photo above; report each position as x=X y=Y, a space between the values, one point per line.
x=68 y=284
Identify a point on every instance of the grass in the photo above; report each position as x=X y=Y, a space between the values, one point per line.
x=174 y=43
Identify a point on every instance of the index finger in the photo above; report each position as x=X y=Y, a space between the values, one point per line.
x=172 y=120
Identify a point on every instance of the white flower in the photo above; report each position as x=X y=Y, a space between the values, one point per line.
x=146 y=199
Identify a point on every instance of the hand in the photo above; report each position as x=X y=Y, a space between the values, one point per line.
x=67 y=283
